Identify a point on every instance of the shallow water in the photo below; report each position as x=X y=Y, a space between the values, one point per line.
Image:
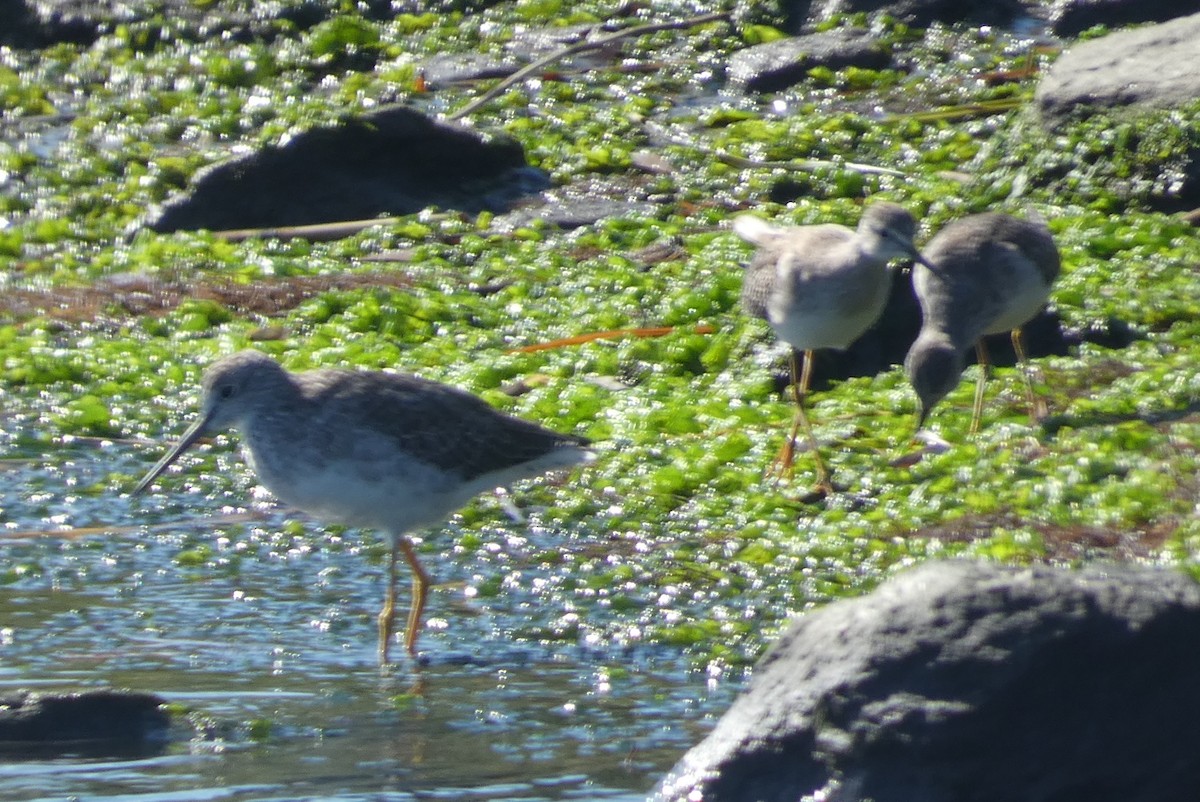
x=264 y=629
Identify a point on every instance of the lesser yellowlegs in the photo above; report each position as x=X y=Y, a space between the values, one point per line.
x=822 y=286
x=372 y=449
x=986 y=274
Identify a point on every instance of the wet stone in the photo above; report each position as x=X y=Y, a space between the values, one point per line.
x=802 y=14
x=393 y=162
x=1151 y=67
x=1072 y=17
x=533 y=43
x=527 y=45
x=96 y=721
x=779 y=64
x=37 y=23
x=450 y=68
x=1035 y=683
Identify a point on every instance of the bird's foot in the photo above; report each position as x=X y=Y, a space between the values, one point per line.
x=1039 y=411
x=931 y=443
x=784 y=464
x=784 y=467
x=821 y=490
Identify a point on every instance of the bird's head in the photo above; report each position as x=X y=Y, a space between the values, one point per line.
x=233 y=388
x=889 y=230
x=933 y=367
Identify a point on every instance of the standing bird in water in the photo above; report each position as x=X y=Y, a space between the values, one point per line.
x=987 y=274
x=372 y=449
x=822 y=286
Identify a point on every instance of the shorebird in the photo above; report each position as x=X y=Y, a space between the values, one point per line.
x=372 y=449
x=986 y=274
x=821 y=286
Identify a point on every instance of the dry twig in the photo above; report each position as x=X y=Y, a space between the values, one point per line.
x=582 y=47
x=792 y=164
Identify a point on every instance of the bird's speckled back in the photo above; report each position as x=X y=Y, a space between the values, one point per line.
x=443 y=426
x=963 y=244
x=993 y=272
x=371 y=447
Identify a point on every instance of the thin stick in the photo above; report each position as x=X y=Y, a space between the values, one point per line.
x=315 y=232
x=793 y=164
x=949 y=113
x=581 y=47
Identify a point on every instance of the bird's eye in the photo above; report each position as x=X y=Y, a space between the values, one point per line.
x=225 y=391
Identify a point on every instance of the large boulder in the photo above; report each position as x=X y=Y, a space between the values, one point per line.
x=1071 y=17
x=1151 y=67
x=38 y=23
x=102 y=721
x=779 y=64
x=970 y=682
x=395 y=161
x=802 y=14
x=1115 y=125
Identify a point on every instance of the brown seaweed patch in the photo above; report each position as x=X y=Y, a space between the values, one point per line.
x=137 y=295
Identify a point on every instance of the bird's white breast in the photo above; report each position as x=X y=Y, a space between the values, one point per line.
x=812 y=309
x=1028 y=296
x=358 y=478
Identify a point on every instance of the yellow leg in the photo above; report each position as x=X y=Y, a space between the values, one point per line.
x=387 y=615
x=783 y=463
x=1038 y=410
x=420 y=591
x=981 y=354
x=787 y=455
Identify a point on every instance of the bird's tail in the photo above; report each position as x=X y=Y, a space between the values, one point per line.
x=754 y=230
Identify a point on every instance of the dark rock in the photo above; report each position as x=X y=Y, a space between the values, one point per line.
x=526 y=46
x=395 y=161
x=1114 y=122
x=37 y=23
x=970 y=682
x=1156 y=67
x=1070 y=17
x=30 y=23
x=784 y=62
x=98 y=722
x=18 y=26
x=920 y=13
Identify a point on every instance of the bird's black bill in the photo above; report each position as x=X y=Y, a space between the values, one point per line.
x=189 y=438
x=917 y=257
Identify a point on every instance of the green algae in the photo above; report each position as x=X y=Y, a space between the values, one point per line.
x=673 y=536
x=1108 y=161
